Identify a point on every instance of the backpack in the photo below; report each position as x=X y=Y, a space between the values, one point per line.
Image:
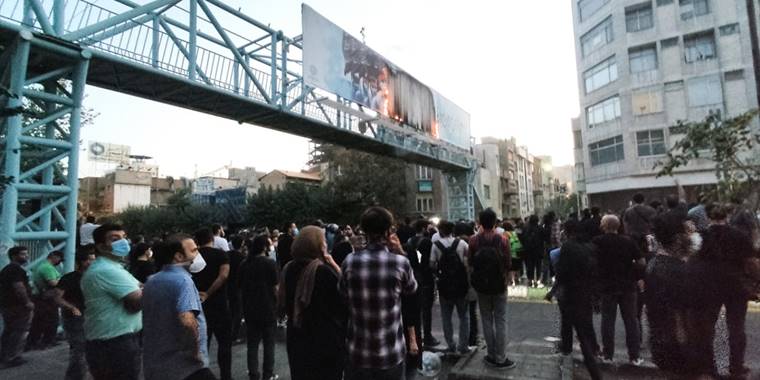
x=488 y=275
x=452 y=275
x=515 y=245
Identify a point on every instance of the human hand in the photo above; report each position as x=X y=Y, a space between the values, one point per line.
x=203 y=295
x=394 y=245
x=641 y=285
x=76 y=312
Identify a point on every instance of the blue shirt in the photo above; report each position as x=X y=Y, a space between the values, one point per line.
x=104 y=286
x=554 y=256
x=167 y=356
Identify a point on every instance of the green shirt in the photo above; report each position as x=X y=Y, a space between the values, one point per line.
x=42 y=274
x=104 y=286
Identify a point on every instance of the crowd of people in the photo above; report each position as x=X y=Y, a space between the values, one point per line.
x=357 y=302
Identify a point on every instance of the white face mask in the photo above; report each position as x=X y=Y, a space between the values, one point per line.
x=198 y=264
x=696 y=241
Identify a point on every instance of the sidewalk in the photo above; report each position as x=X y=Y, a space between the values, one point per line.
x=535 y=360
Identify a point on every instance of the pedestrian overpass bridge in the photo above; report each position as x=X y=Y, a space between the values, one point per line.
x=201 y=55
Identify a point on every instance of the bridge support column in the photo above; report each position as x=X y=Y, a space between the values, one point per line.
x=460 y=195
x=41 y=148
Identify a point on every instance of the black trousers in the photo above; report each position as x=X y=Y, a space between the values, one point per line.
x=533 y=265
x=627 y=302
x=428 y=298
x=577 y=314
x=473 y=341
x=258 y=332
x=44 y=323
x=204 y=374
x=118 y=358
x=704 y=321
x=219 y=325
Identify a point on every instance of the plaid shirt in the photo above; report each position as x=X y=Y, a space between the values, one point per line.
x=373 y=281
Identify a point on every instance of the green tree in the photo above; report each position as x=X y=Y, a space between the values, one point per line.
x=731 y=144
x=563 y=205
x=295 y=202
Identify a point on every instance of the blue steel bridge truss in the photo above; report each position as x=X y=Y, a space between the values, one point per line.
x=198 y=54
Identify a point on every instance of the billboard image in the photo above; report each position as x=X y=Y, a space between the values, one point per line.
x=335 y=61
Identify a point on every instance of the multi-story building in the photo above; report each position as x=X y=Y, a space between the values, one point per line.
x=643 y=66
x=426 y=190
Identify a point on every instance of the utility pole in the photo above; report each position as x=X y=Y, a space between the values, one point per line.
x=751 y=14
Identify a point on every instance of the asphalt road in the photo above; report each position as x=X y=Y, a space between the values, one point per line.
x=530 y=323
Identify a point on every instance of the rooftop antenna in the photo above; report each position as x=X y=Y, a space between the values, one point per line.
x=363 y=32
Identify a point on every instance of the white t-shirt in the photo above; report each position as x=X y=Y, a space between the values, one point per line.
x=85 y=233
x=435 y=253
x=221 y=243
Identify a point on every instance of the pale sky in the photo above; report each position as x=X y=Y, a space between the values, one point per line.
x=509 y=63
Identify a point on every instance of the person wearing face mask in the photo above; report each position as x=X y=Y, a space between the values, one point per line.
x=112 y=316
x=175 y=341
x=16 y=306
x=141 y=264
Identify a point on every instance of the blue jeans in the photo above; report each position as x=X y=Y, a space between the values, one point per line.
x=74 y=328
x=493 y=313
x=447 y=309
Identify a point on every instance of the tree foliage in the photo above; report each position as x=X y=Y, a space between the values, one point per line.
x=731 y=144
x=564 y=205
x=295 y=202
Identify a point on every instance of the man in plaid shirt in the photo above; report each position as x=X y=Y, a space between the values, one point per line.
x=373 y=281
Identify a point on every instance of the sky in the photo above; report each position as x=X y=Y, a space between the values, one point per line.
x=510 y=64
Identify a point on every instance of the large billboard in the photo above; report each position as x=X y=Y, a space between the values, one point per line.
x=335 y=61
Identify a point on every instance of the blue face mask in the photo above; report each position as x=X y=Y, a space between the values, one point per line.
x=120 y=248
x=295 y=231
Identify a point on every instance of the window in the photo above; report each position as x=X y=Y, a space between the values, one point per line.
x=669 y=42
x=693 y=8
x=700 y=47
x=487 y=191
x=606 y=151
x=601 y=75
x=602 y=112
x=425 y=204
x=597 y=37
x=587 y=8
x=638 y=17
x=705 y=91
x=735 y=75
x=727 y=30
x=664 y=2
x=424 y=186
x=650 y=143
x=647 y=102
x=643 y=58
x=578 y=139
x=424 y=172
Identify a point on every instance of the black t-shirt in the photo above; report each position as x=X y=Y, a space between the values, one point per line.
x=214 y=258
x=72 y=291
x=11 y=274
x=142 y=269
x=615 y=259
x=284 y=244
x=236 y=258
x=258 y=277
x=341 y=251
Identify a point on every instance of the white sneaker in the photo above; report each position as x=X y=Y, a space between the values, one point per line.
x=608 y=361
x=637 y=362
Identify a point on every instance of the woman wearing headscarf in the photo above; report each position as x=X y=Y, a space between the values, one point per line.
x=317 y=315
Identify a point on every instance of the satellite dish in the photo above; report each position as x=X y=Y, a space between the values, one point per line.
x=97 y=149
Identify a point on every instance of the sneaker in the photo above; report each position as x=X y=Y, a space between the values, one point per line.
x=273 y=377
x=506 y=364
x=464 y=351
x=606 y=360
x=637 y=362
x=487 y=359
x=431 y=342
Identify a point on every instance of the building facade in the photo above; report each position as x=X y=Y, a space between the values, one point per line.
x=642 y=67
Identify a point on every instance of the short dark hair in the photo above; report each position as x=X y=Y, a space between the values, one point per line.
x=508 y=226
x=595 y=211
x=638 y=198
x=82 y=256
x=90 y=219
x=203 y=236
x=487 y=218
x=99 y=235
x=376 y=221
x=421 y=225
x=445 y=228
x=571 y=228
x=716 y=211
x=237 y=241
x=672 y=201
x=463 y=229
x=215 y=228
x=17 y=250
x=165 y=250
x=257 y=244
x=56 y=253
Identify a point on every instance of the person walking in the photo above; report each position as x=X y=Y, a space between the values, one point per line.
x=448 y=259
x=720 y=267
x=16 y=307
x=237 y=255
x=575 y=275
x=71 y=301
x=257 y=281
x=112 y=315
x=619 y=261
x=490 y=262
x=45 y=321
x=533 y=248
x=175 y=342
x=212 y=287
x=317 y=313
x=373 y=282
